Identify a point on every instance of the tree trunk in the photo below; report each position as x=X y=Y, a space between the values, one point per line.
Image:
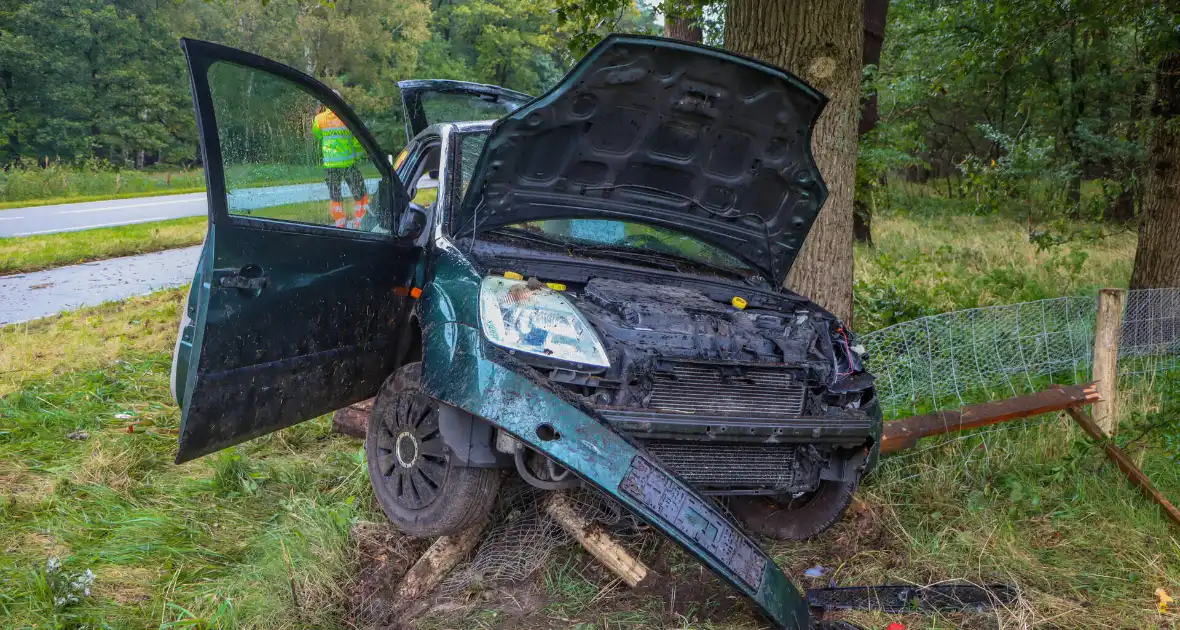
x=1157 y=259
x=874 y=12
x=677 y=26
x=820 y=41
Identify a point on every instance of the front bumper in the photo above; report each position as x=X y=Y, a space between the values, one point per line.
x=459 y=372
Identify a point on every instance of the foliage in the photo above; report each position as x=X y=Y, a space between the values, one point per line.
x=23 y=181
x=1022 y=106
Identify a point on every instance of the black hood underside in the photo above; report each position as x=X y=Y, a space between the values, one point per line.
x=657 y=131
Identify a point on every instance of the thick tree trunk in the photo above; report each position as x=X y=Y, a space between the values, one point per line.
x=819 y=41
x=1157 y=259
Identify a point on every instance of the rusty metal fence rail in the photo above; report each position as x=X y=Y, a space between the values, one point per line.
x=982 y=354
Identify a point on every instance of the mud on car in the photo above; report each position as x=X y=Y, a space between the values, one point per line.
x=582 y=288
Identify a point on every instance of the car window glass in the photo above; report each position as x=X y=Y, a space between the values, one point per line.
x=424 y=177
x=288 y=157
x=440 y=107
x=470 y=146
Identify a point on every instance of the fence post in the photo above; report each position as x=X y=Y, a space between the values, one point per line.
x=1107 y=330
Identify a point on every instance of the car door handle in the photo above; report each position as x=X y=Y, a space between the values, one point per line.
x=248 y=278
x=242 y=282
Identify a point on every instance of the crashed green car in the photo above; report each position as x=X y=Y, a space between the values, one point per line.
x=581 y=288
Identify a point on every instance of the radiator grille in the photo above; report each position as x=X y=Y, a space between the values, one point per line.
x=702 y=389
x=711 y=464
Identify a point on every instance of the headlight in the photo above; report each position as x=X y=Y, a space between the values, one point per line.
x=537 y=321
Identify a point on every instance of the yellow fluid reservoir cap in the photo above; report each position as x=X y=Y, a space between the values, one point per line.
x=556 y=286
x=738 y=303
x=512 y=275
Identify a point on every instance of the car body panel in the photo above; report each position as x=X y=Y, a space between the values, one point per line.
x=663 y=132
x=466 y=101
x=291 y=320
x=463 y=370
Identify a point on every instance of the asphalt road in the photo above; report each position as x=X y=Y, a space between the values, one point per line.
x=69 y=217
x=28 y=296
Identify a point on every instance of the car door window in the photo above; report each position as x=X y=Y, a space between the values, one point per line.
x=288 y=157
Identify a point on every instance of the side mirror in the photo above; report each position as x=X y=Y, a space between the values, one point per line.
x=413 y=223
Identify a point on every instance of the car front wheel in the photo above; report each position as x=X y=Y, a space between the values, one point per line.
x=421 y=487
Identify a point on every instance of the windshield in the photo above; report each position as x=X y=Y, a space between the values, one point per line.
x=603 y=232
x=637 y=236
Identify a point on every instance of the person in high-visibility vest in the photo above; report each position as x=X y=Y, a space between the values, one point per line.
x=341 y=150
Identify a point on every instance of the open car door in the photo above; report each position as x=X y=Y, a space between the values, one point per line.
x=296 y=309
x=429 y=102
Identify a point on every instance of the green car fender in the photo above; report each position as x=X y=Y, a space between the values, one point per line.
x=461 y=369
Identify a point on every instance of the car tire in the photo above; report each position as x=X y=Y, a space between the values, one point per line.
x=794 y=519
x=422 y=489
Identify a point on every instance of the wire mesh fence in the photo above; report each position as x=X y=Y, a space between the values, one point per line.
x=982 y=354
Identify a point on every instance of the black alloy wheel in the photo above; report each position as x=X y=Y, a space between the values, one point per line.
x=421 y=487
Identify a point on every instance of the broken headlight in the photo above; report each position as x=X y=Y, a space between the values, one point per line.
x=537 y=321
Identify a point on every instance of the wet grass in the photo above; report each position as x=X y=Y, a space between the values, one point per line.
x=23 y=254
x=88 y=484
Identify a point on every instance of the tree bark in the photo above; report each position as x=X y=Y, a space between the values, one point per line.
x=678 y=27
x=1157 y=259
x=874 y=12
x=820 y=41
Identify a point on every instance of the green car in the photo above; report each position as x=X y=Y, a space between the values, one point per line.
x=581 y=288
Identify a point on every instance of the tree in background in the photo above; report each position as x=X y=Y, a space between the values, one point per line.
x=1157 y=258
x=92 y=79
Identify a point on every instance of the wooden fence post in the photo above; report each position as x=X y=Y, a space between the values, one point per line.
x=1107 y=330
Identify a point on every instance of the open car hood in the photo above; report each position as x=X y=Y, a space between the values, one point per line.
x=659 y=131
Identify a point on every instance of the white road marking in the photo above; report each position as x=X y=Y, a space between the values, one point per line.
x=87 y=227
x=10 y=218
x=130 y=205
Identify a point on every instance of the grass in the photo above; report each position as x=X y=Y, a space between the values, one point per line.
x=32 y=185
x=44 y=251
x=206 y=544
x=86 y=444
x=930 y=261
x=51 y=201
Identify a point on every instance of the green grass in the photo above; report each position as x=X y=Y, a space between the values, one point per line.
x=32 y=203
x=44 y=251
x=940 y=259
x=22 y=186
x=205 y=544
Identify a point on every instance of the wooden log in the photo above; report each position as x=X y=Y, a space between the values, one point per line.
x=354 y=419
x=1107 y=330
x=902 y=434
x=599 y=543
x=1120 y=459
x=435 y=564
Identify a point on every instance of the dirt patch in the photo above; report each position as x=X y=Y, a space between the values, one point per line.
x=22 y=489
x=384 y=554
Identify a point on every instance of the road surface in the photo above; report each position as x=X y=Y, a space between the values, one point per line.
x=28 y=296
x=70 y=217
